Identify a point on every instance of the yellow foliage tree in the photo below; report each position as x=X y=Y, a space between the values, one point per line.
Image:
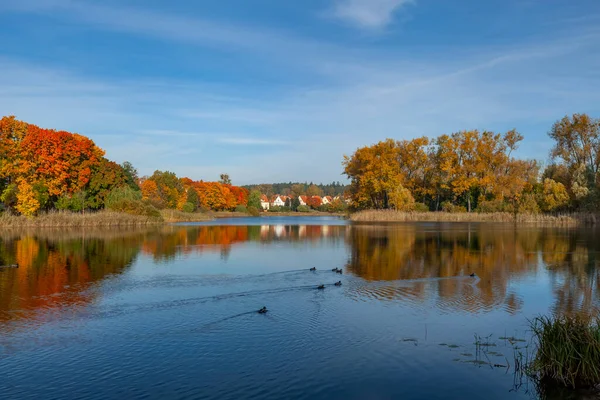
x=554 y=195
x=27 y=203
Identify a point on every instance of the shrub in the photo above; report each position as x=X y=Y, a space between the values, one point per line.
x=135 y=207
x=188 y=207
x=253 y=211
x=568 y=350
x=241 y=209
x=121 y=193
x=303 y=209
x=492 y=206
x=420 y=207
x=529 y=205
x=452 y=208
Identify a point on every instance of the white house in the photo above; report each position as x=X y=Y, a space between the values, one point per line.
x=278 y=201
x=303 y=200
x=264 y=202
x=326 y=199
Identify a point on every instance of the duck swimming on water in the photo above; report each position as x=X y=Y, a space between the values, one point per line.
x=339 y=271
x=263 y=310
x=321 y=287
x=472 y=275
x=313 y=269
x=338 y=283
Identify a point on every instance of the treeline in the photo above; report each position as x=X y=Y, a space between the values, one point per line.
x=45 y=169
x=295 y=189
x=476 y=171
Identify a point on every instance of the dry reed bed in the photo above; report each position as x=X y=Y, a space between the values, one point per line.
x=542 y=219
x=69 y=219
x=180 y=216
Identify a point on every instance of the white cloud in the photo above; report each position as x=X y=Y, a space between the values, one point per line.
x=369 y=14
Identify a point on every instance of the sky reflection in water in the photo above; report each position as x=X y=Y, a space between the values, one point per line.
x=171 y=311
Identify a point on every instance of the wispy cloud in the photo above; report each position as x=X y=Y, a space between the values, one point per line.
x=251 y=141
x=368 y=14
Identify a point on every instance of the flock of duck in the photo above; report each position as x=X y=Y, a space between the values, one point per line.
x=264 y=310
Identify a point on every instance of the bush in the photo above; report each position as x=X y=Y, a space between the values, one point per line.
x=492 y=206
x=451 y=208
x=135 y=207
x=241 y=209
x=568 y=351
x=529 y=205
x=188 y=207
x=253 y=211
x=303 y=209
x=420 y=207
x=121 y=193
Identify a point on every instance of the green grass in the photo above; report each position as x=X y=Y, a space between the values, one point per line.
x=568 y=351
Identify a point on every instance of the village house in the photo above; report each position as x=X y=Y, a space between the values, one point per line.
x=303 y=200
x=278 y=201
x=264 y=202
x=326 y=200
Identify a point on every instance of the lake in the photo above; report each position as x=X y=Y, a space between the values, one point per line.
x=171 y=312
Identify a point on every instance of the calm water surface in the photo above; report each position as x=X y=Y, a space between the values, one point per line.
x=171 y=312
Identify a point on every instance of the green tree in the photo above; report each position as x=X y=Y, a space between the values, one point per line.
x=295 y=203
x=254 y=200
x=225 y=180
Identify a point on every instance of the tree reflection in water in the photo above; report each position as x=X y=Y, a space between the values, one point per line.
x=409 y=262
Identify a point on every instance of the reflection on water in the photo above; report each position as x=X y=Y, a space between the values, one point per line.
x=403 y=285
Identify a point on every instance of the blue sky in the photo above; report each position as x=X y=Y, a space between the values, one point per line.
x=273 y=90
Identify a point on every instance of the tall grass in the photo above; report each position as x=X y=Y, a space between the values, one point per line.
x=568 y=351
x=402 y=216
x=71 y=219
x=180 y=216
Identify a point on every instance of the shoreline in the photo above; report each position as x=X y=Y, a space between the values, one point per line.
x=391 y=216
x=107 y=219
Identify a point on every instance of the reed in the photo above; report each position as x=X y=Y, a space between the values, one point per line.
x=568 y=351
x=573 y=219
x=54 y=219
x=180 y=216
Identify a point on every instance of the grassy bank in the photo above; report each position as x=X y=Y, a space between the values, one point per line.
x=103 y=218
x=542 y=219
x=568 y=351
x=180 y=216
x=71 y=219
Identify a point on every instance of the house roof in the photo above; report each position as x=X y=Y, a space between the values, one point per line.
x=328 y=198
x=264 y=198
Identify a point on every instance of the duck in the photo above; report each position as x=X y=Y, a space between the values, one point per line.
x=321 y=287
x=472 y=275
x=339 y=271
x=334 y=269
x=263 y=310
x=313 y=269
x=338 y=283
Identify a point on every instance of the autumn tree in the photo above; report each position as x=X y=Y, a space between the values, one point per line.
x=577 y=145
x=314 y=190
x=374 y=173
x=554 y=195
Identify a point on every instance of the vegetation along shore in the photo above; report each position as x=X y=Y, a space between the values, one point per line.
x=464 y=176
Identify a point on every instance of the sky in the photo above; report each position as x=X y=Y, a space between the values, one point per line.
x=274 y=90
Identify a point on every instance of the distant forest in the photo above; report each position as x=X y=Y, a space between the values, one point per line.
x=298 y=188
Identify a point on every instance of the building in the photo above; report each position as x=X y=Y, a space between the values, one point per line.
x=264 y=202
